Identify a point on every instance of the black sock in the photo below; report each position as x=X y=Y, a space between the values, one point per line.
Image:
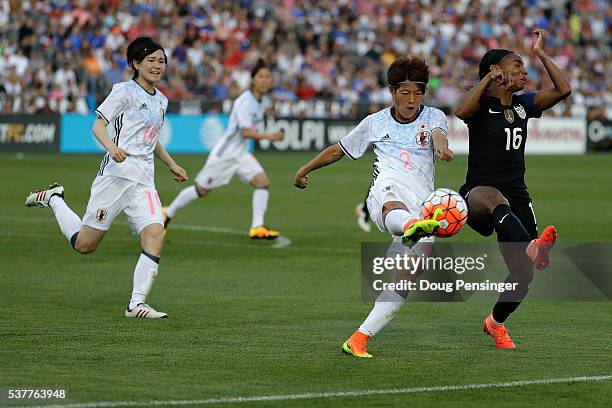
x=502 y=310
x=520 y=274
x=508 y=227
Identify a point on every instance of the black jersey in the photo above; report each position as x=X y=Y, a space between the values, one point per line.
x=497 y=135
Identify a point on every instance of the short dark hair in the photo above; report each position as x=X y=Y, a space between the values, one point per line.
x=139 y=49
x=410 y=68
x=260 y=64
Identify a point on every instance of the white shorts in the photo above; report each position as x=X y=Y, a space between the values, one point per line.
x=218 y=172
x=390 y=188
x=112 y=195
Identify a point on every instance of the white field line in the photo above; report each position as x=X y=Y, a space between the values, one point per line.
x=279 y=243
x=328 y=395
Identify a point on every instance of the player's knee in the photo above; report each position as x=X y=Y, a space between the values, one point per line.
x=201 y=190
x=84 y=248
x=486 y=198
x=261 y=180
x=152 y=241
x=392 y=205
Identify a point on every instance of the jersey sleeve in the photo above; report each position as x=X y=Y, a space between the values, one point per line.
x=245 y=112
x=356 y=143
x=527 y=99
x=116 y=102
x=438 y=121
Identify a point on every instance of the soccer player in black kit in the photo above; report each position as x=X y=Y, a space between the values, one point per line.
x=495 y=188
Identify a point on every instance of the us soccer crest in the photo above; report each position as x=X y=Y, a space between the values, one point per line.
x=101 y=215
x=520 y=111
x=422 y=137
x=509 y=115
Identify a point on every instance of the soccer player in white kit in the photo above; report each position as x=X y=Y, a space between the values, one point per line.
x=125 y=182
x=406 y=139
x=231 y=156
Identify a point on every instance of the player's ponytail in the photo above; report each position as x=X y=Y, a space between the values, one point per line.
x=139 y=49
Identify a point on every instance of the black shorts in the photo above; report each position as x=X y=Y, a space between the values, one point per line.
x=520 y=203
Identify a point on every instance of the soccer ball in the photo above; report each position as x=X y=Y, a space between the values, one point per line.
x=454 y=211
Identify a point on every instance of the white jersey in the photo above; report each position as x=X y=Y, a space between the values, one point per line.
x=403 y=151
x=247 y=112
x=137 y=118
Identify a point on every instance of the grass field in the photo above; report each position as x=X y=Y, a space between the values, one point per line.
x=249 y=320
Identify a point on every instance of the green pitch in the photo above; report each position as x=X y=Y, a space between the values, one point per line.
x=248 y=319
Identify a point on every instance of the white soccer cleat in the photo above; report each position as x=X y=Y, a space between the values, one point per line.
x=40 y=198
x=144 y=311
x=361 y=218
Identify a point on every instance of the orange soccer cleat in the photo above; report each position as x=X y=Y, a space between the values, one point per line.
x=498 y=332
x=538 y=249
x=263 y=232
x=356 y=345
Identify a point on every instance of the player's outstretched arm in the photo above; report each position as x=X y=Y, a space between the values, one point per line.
x=440 y=142
x=99 y=130
x=253 y=134
x=469 y=104
x=180 y=174
x=328 y=156
x=548 y=98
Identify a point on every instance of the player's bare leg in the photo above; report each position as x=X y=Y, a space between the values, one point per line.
x=151 y=241
x=261 y=194
x=84 y=239
x=88 y=239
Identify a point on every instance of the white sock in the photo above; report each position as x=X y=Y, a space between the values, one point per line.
x=386 y=306
x=68 y=221
x=186 y=196
x=260 y=205
x=396 y=219
x=144 y=275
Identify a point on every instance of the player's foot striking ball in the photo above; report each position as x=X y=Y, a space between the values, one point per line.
x=403 y=175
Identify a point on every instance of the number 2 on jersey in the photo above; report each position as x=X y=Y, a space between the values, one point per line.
x=405 y=156
x=513 y=138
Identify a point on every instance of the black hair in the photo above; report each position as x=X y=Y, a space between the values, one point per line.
x=259 y=65
x=410 y=68
x=139 y=49
x=491 y=57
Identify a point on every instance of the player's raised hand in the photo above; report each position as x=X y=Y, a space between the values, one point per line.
x=541 y=35
x=118 y=154
x=180 y=174
x=503 y=78
x=301 y=181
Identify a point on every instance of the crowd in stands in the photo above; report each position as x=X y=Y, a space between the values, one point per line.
x=64 y=55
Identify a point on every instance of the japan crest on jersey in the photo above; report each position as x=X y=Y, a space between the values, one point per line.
x=422 y=137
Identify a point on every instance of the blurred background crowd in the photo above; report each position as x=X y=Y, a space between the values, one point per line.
x=64 y=55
